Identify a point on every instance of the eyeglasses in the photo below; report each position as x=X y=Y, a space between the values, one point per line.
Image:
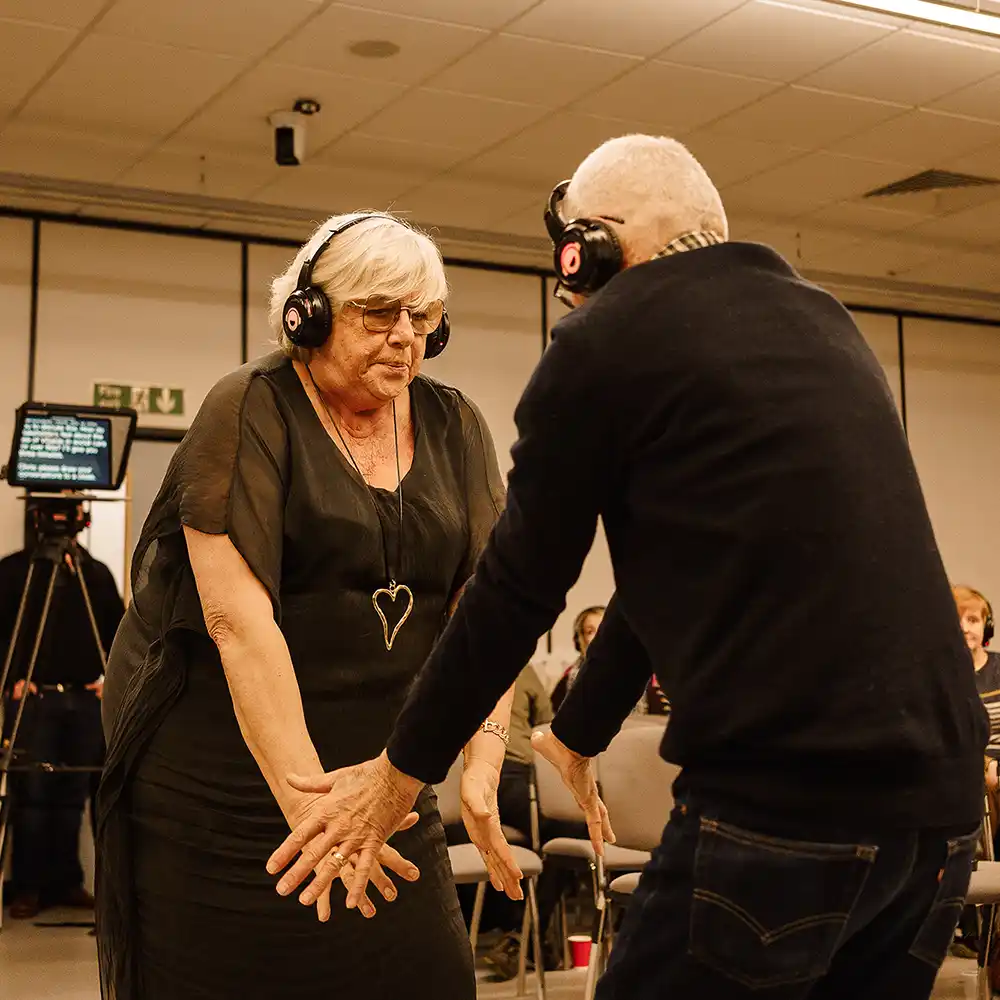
x=380 y=315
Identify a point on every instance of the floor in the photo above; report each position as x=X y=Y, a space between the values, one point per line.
x=58 y=963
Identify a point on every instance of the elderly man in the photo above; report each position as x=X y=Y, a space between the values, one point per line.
x=728 y=423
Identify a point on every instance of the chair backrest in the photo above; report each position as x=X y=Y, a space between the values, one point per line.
x=637 y=786
x=449 y=794
x=555 y=800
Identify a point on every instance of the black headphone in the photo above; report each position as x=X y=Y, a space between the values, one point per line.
x=586 y=252
x=988 y=630
x=578 y=624
x=307 y=318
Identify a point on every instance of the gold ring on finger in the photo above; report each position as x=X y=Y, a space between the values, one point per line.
x=340 y=859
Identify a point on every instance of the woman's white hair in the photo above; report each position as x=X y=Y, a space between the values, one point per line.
x=381 y=256
x=655 y=184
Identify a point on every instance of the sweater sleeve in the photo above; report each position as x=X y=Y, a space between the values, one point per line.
x=563 y=465
x=611 y=680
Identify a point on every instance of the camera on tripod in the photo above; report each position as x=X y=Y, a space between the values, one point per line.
x=59 y=455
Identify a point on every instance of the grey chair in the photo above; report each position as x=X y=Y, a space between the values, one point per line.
x=554 y=801
x=468 y=868
x=637 y=788
x=984 y=894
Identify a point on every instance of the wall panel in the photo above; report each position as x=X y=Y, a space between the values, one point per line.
x=264 y=264
x=124 y=306
x=953 y=406
x=882 y=334
x=15 y=310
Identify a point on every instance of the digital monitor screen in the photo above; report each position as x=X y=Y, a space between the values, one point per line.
x=68 y=449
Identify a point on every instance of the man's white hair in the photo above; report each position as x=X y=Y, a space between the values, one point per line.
x=652 y=182
x=380 y=256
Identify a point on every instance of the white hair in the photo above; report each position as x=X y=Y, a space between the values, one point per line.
x=381 y=256
x=655 y=184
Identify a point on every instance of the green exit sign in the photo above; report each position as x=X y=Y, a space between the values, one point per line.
x=155 y=399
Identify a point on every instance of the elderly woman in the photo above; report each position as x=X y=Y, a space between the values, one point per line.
x=312 y=532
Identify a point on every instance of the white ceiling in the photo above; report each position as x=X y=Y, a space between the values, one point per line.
x=796 y=107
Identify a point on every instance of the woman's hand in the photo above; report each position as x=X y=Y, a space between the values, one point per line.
x=481 y=817
x=358 y=808
x=300 y=808
x=578 y=776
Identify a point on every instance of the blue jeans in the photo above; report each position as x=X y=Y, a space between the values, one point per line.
x=726 y=912
x=46 y=808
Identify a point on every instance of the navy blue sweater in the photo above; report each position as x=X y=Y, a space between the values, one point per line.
x=774 y=560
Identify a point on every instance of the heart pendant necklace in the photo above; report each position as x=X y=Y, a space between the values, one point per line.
x=392 y=590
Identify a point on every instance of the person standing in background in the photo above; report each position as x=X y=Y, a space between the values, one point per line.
x=585 y=627
x=62 y=716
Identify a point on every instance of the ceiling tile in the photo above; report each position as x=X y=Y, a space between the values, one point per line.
x=798 y=244
x=33 y=149
x=981 y=100
x=866 y=215
x=417 y=159
x=457 y=201
x=677 y=98
x=471 y=123
x=526 y=222
x=729 y=159
x=189 y=171
x=974 y=227
x=635 y=27
x=919 y=138
x=775 y=41
x=484 y=15
x=808 y=183
x=330 y=190
x=960 y=270
x=238 y=118
x=67 y=13
x=910 y=67
x=133 y=89
x=983 y=162
x=805 y=118
x=875 y=257
x=551 y=149
x=233 y=27
x=525 y=69
x=424 y=46
x=27 y=53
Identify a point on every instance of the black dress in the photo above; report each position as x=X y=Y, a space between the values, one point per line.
x=186 y=909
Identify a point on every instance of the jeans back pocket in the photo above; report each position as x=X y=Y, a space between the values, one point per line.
x=768 y=911
x=936 y=933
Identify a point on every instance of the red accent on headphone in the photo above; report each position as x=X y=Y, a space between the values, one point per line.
x=569 y=258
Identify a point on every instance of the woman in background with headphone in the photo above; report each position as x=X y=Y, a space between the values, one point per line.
x=585 y=627
x=314 y=528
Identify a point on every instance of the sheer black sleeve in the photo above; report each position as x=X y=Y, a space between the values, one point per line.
x=232 y=476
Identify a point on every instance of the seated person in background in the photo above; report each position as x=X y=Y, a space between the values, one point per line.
x=653 y=701
x=976 y=618
x=585 y=628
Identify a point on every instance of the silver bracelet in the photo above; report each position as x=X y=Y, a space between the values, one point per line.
x=489 y=726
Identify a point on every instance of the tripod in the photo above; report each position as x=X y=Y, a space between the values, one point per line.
x=54 y=550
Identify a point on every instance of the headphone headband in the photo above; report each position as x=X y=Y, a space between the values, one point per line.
x=306 y=271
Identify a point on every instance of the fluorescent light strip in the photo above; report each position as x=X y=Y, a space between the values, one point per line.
x=933 y=13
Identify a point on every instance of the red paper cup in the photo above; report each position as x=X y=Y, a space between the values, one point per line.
x=579 y=948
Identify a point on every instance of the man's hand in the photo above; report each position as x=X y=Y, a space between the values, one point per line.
x=578 y=776
x=18 y=691
x=358 y=809
x=97 y=687
x=482 y=821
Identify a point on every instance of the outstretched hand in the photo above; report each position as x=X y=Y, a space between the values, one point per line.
x=481 y=817
x=577 y=773
x=358 y=808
